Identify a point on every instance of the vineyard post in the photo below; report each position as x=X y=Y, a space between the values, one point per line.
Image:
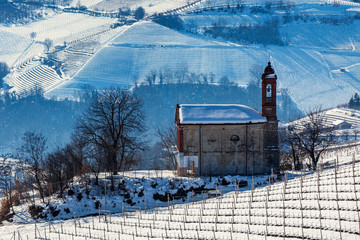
x=318 y=200
x=151 y=233
x=168 y=201
x=35 y=230
x=105 y=194
x=302 y=216
x=155 y=208
x=252 y=188
x=89 y=231
x=320 y=218
x=181 y=232
x=356 y=199
x=136 y=230
x=75 y=223
x=145 y=205
x=61 y=225
x=200 y=223
x=337 y=198
x=235 y=187
x=214 y=233
x=139 y=218
x=169 y=223
x=266 y=211
x=283 y=203
x=45 y=233
x=197 y=233
x=249 y=203
x=248 y=230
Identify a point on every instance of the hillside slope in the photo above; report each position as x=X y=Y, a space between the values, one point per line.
x=321 y=205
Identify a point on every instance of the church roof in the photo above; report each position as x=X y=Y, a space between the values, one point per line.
x=218 y=114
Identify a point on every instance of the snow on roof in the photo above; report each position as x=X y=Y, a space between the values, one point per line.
x=272 y=75
x=218 y=114
x=337 y=122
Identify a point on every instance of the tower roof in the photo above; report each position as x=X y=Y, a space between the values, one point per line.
x=269 y=69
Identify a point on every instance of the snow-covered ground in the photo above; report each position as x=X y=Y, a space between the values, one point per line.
x=320 y=205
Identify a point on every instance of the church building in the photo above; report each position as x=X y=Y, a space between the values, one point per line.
x=229 y=139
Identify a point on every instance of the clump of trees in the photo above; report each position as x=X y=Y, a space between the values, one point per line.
x=170 y=21
x=308 y=138
x=354 y=102
x=4 y=70
x=106 y=137
x=266 y=33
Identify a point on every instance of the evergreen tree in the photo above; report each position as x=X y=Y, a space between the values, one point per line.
x=139 y=13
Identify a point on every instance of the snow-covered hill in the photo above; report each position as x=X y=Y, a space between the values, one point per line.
x=320 y=205
x=319 y=63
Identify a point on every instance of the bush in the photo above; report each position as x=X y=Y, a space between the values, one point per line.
x=36 y=212
x=4 y=209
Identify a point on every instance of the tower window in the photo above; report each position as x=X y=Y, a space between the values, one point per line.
x=268 y=90
x=234 y=138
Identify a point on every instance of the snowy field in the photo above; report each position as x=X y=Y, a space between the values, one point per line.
x=58 y=28
x=320 y=205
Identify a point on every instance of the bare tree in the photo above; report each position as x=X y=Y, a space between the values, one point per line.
x=168 y=138
x=114 y=123
x=313 y=135
x=33 y=153
x=33 y=35
x=48 y=44
x=290 y=148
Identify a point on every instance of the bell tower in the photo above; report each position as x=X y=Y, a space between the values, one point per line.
x=268 y=94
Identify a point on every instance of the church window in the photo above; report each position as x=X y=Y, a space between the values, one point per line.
x=234 y=138
x=268 y=90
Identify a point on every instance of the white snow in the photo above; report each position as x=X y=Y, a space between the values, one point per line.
x=323 y=204
x=218 y=114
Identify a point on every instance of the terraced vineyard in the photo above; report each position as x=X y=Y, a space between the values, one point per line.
x=320 y=205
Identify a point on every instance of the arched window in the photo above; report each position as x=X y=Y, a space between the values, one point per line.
x=268 y=90
x=234 y=138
